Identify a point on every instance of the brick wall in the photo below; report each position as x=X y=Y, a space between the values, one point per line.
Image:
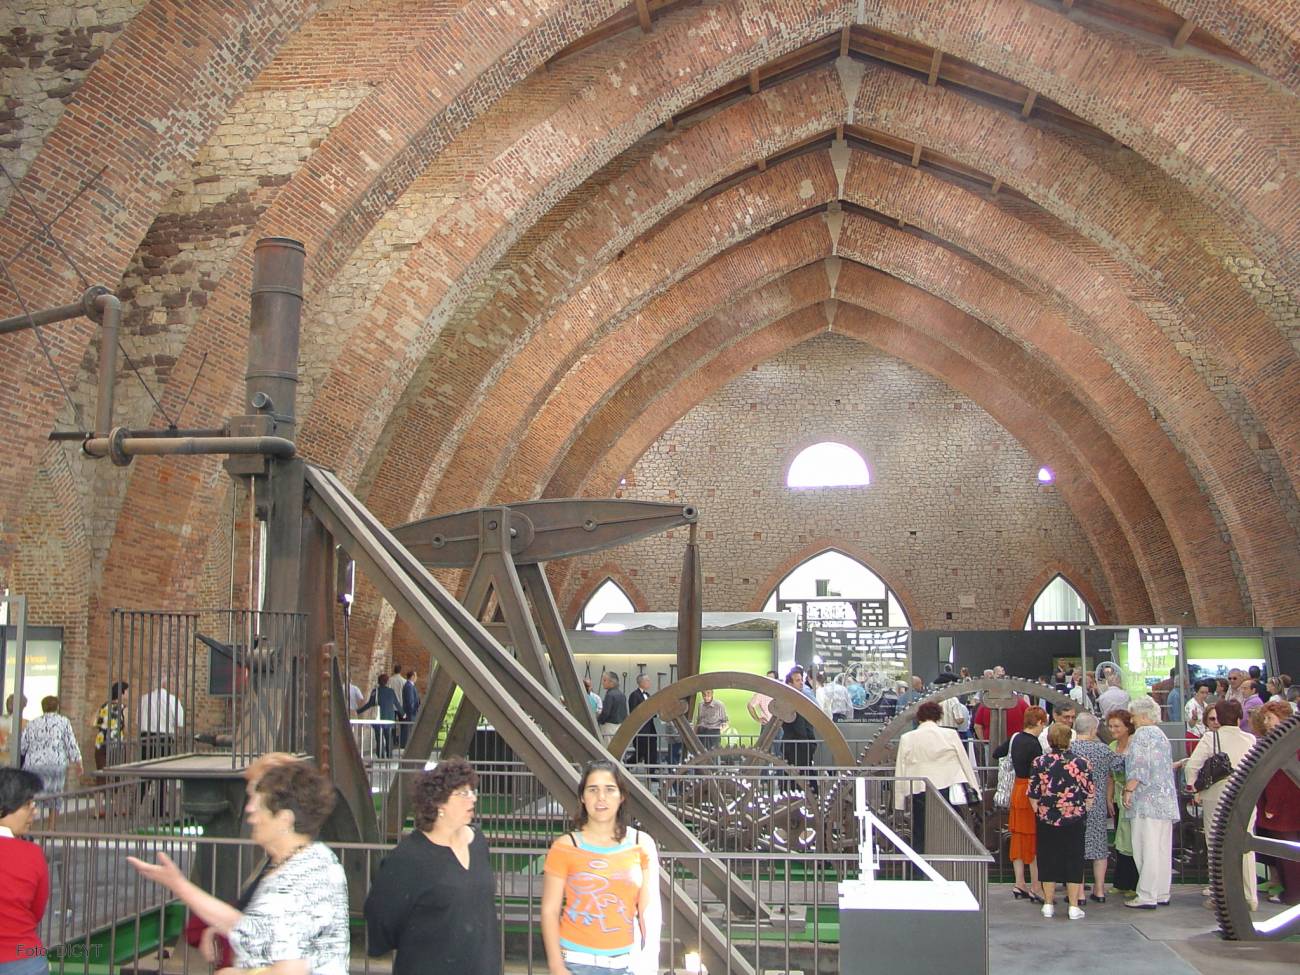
x=954 y=509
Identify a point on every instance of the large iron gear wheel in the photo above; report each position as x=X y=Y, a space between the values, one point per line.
x=1231 y=838
x=752 y=802
x=884 y=746
x=672 y=705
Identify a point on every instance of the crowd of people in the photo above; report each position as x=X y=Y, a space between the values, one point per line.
x=433 y=898
x=432 y=901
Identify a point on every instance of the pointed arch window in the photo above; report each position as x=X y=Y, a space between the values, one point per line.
x=834 y=590
x=1059 y=607
x=609 y=597
x=828 y=464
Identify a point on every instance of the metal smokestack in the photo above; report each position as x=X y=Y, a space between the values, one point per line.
x=271 y=382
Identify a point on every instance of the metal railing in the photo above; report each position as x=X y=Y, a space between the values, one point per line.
x=103 y=914
x=226 y=682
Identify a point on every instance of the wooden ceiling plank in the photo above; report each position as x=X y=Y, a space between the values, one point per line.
x=643 y=15
x=1028 y=106
x=1184 y=32
x=997 y=185
x=916 y=154
x=845 y=35
x=754 y=82
x=934 y=67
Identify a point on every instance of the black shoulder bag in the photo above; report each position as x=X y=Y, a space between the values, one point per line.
x=1216 y=768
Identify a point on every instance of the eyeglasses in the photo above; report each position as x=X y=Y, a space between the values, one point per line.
x=465 y=793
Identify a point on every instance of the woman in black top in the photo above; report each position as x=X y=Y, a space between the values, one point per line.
x=434 y=897
x=1021 y=821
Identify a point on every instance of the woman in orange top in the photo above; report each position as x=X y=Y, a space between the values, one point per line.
x=600 y=889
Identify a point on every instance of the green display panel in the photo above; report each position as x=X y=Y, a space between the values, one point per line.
x=1214 y=656
x=746 y=656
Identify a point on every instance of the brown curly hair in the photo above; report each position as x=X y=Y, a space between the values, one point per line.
x=1124 y=718
x=301 y=788
x=434 y=788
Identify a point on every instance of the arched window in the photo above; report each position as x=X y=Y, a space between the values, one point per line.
x=828 y=464
x=1059 y=607
x=609 y=597
x=833 y=590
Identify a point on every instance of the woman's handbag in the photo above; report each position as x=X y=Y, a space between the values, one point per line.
x=1216 y=768
x=1006 y=778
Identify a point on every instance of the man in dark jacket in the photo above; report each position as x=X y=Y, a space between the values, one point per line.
x=410 y=705
x=390 y=709
x=613 y=710
x=644 y=746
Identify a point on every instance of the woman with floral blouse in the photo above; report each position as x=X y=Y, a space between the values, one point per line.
x=1061 y=792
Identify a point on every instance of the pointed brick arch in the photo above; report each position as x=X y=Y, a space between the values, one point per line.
x=848 y=550
x=1094 y=516
x=1076 y=579
x=616 y=344
x=593 y=579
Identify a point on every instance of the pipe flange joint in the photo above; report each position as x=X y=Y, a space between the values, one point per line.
x=89 y=301
x=116 y=451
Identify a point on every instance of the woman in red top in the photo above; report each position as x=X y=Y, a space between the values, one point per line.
x=1278 y=812
x=600 y=889
x=24 y=878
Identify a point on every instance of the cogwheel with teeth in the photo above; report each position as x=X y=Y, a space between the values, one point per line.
x=1233 y=835
x=883 y=747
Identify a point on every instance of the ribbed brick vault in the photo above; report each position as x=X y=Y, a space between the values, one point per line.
x=539 y=234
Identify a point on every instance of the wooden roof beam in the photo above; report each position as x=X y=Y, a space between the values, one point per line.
x=762 y=164
x=753 y=82
x=643 y=15
x=997 y=185
x=935 y=61
x=1028 y=106
x=1184 y=32
x=844 y=41
x=916 y=154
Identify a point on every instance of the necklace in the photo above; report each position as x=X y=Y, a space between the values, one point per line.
x=276 y=864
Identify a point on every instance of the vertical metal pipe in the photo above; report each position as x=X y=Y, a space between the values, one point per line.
x=275 y=316
x=110 y=310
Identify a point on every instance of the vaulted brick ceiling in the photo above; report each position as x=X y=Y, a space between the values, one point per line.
x=538 y=233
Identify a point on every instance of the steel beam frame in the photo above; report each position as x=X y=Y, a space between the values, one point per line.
x=530 y=719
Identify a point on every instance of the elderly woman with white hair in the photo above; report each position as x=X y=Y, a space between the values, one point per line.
x=1101 y=763
x=1151 y=803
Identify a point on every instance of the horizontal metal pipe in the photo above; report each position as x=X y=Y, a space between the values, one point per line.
x=47 y=316
x=177 y=434
x=162 y=446
x=167 y=434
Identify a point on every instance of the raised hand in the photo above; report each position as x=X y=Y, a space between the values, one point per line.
x=163 y=872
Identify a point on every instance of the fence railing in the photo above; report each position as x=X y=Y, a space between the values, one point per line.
x=103 y=914
x=224 y=682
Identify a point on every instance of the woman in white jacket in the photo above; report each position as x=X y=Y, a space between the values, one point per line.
x=935 y=753
x=1222 y=734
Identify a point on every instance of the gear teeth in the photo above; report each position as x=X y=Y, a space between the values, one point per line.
x=1226 y=846
x=880 y=750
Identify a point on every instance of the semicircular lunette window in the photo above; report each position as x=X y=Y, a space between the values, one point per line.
x=828 y=464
